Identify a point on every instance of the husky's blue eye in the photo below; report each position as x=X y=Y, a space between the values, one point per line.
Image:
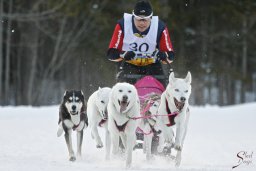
x=177 y=90
x=120 y=91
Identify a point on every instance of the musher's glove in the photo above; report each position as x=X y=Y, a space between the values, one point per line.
x=161 y=56
x=128 y=55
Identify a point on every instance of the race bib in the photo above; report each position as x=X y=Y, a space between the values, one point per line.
x=131 y=42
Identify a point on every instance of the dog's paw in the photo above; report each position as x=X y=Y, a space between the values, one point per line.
x=167 y=151
x=177 y=147
x=177 y=163
x=72 y=158
x=178 y=160
x=168 y=145
x=128 y=165
x=99 y=146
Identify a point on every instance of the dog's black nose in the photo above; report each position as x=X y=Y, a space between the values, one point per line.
x=182 y=99
x=73 y=107
x=125 y=98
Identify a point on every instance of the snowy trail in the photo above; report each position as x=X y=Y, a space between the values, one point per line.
x=28 y=141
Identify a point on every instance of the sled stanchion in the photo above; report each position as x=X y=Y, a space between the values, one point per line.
x=169 y=65
x=121 y=67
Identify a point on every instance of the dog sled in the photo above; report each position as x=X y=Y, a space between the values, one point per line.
x=149 y=88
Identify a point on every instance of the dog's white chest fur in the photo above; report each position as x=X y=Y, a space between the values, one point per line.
x=75 y=119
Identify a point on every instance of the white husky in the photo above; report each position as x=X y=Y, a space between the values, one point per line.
x=175 y=99
x=97 y=113
x=122 y=107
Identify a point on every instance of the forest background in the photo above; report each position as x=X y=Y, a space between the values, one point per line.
x=49 y=46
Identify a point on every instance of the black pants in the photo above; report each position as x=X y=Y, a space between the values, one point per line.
x=131 y=73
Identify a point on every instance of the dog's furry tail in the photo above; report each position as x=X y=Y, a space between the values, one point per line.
x=60 y=130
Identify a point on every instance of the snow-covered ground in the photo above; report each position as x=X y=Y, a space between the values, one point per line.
x=28 y=142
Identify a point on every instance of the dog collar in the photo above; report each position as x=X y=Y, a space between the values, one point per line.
x=81 y=118
x=170 y=117
x=76 y=126
x=102 y=122
x=145 y=133
x=121 y=128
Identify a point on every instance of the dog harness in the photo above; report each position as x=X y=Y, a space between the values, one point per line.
x=102 y=122
x=122 y=127
x=170 y=117
x=82 y=118
x=150 y=132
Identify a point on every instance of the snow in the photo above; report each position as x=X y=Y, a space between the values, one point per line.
x=28 y=142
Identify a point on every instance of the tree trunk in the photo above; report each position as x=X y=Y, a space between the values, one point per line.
x=204 y=58
x=8 y=56
x=56 y=58
x=221 y=83
x=211 y=74
x=244 y=58
x=18 y=75
x=33 y=65
x=1 y=51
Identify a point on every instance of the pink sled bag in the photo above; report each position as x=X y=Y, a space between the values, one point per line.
x=148 y=85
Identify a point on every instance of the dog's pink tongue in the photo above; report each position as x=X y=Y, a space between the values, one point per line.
x=123 y=106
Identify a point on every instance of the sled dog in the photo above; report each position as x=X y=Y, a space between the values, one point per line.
x=149 y=126
x=123 y=106
x=72 y=116
x=97 y=113
x=175 y=100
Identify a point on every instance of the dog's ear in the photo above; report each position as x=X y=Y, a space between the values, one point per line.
x=111 y=96
x=172 y=78
x=188 y=78
x=99 y=91
x=65 y=93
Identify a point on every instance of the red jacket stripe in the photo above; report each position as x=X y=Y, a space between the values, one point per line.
x=117 y=38
x=165 y=44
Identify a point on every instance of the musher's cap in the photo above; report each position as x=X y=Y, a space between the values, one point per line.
x=143 y=7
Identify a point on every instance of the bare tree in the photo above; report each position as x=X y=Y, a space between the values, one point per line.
x=43 y=15
x=8 y=53
x=1 y=49
x=33 y=64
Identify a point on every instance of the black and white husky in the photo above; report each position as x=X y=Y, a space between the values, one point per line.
x=72 y=116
